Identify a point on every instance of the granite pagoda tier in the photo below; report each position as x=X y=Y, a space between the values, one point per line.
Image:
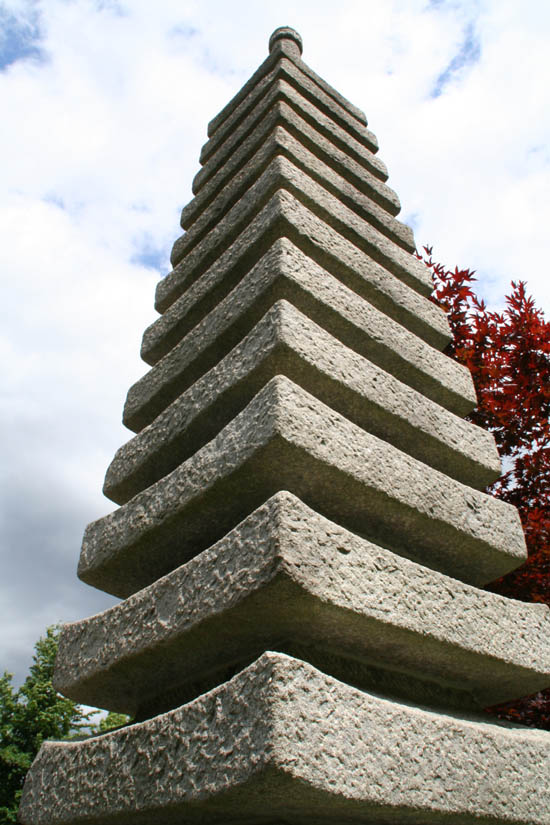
x=302 y=532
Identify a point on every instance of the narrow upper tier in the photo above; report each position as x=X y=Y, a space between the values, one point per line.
x=287 y=273
x=287 y=342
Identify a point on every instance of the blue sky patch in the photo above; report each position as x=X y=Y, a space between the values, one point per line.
x=19 y=38
x=151 y=256
x=468 y=54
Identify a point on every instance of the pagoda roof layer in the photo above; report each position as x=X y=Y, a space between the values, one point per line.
x=287 y=578
x=287 y=342
x=281 y=48
x=280 y=141
x=332 y=305
x=287 y=439
x=284 y=222
x=284 y=737
x=287 y=71
x=284 y=116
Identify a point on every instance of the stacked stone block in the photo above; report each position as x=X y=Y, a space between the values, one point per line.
x=302 y=532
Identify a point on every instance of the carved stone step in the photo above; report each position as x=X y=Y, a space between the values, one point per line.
x=284 y=737
x=323 y=125
x=286 y=342
x=286 y=439
x=281 y=142
x=286 y=577
x=282 y=173
x=284 y=116
x=281 y=48
x=186 y=298
x=286 y=70
x=286 y=273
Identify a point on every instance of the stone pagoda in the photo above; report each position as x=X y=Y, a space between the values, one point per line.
x=302 y=533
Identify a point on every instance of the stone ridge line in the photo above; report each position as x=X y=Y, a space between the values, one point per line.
x=264 y=69
x=281 y=142
x=283 y=115
x=280 y=172
x=284 y=735
x=285 y=572
x=287 y=71
x=287 y=342
x=323 y=125
x=284 y=224
x=336 y=308
x=286 y=439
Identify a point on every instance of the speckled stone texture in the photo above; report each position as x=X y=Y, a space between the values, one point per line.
x=289 y=274
x=287 y=70
x=204 y=209
x=284 y=223
x=303 y=528
x=327 y=128
x=287 y=573
x=287 y=439
x=284 y=737
x=287 y=342
x=284 y=116
x=281 y=173
x=281 y=142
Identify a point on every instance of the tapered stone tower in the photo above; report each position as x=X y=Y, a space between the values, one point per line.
x=301 y=537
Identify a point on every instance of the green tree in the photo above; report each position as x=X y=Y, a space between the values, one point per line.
x=28 y=716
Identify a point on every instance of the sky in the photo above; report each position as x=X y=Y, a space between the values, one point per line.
x=105 y=110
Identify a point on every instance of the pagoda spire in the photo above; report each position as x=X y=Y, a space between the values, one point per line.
x=302 y=532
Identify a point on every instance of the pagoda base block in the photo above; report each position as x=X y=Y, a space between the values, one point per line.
x=283 y=741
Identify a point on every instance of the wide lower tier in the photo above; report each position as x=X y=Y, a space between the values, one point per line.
x=283 y=740
x=288 y=579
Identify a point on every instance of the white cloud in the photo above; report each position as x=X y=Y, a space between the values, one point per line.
x=105 y=121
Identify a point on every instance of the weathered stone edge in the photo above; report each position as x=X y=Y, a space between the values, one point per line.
x=281 y=114
x=285 y=735
x=285 y=341
x=286 y=572
x=287 y=439
x=186 y=299
x=331 y=304
x=281 y=142
x=263 y=69
x=322 y=124
x=281 y=172
x=287 y=70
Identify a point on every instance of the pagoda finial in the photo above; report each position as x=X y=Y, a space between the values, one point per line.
x=292 y=40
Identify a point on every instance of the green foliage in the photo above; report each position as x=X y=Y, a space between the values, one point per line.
x=28 y=716
x=110 y=722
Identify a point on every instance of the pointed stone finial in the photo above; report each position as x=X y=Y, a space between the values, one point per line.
x=288 y=39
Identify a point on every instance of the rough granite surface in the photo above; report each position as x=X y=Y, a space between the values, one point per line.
x=284 y=735
x=281 y=142
x=287 y=573
x=325 y=126
x=284 y=116
x=285 y=439
x=329 y=303
x=265 y=68
x=286 y=342
x=185 y=297
x=301 y=535
x=287 y=70
x=281 y=173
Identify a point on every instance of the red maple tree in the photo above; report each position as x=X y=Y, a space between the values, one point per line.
x=508 y=355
